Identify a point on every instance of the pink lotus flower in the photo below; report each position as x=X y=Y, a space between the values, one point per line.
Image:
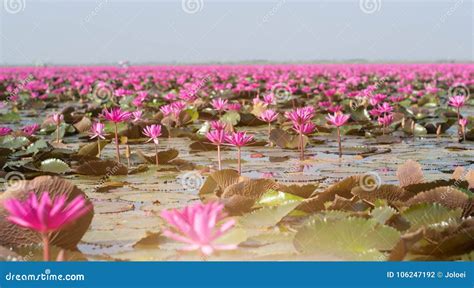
x=239 y=139
x=386 y=120
x=457 y=101
x=116 y=115
x=166 y=109
x=218 y=125
x=97 y=131
x=233 y=107
x=197 y=226
x=304 y=129
x=269 y=99
x=45 y=215
x=300 y=115
x=268 y=116
x=217 y=137
x=219 y=104
x=137 y=115
x=30 y=129
x=57 y=118
x=385 y=108
x=338 y=120
x=153 y=132
x=335 y=109
x=4 y=131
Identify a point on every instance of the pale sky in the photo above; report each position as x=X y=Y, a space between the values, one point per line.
x=202 y=31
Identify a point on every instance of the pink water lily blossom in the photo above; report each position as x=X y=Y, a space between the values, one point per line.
x=4 y=131
x=218 y=125
x=386 y=120
x=31 y=129
x=116 y=115
x=57 y=120
x=219 y=104
x=97 y=131
x=199 y=227
x=217 y=137
x=239 y=140
x=338 y=120
x=45 y=215
x=268 y=116
x=137 y=115
x=153 y=132
x=457 y=101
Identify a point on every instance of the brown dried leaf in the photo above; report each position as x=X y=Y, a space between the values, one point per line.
x=387 y=192
x=102 y=167
x=447 y=196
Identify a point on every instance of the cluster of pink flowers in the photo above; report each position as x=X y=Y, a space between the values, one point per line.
x=218 y=136
x=301 y=119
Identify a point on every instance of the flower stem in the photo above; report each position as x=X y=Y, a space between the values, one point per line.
x=269 y=132
x=301 y=147
x=45 y=238
x=239 y=164
x=156 y=154
x=339 y=141
x=219 y=156
x=117 y=149
x=57 y=133
x=98 y=148
x=459 y=124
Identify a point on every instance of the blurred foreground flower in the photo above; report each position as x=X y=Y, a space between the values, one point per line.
x=45 y=215
x=196 y=226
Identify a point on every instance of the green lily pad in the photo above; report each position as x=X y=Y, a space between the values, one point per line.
x=350 y=239
x=54 y=166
